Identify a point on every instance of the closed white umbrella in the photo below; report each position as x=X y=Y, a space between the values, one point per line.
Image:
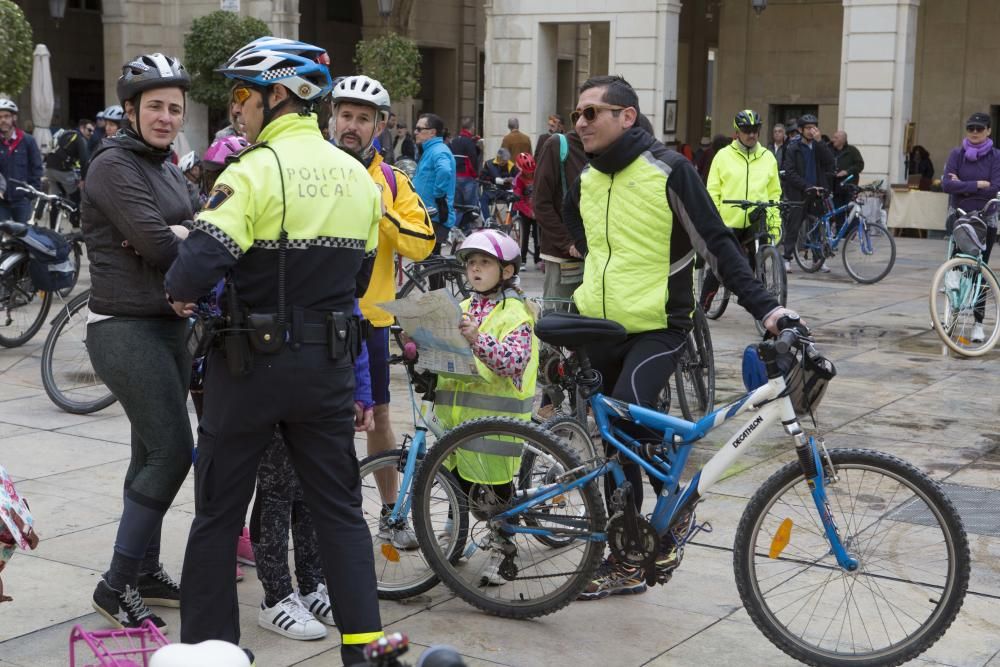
x=42 y=97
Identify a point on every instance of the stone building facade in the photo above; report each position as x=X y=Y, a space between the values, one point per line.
x=883 y=70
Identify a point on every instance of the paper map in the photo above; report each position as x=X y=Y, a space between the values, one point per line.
x=431 y=320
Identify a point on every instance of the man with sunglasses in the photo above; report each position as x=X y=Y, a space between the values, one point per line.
x=744 y=169
x=435 y=177
x=639 y=213
x=291 y=222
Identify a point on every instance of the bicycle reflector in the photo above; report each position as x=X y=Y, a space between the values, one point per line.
x=390 y=553
x=781 y=538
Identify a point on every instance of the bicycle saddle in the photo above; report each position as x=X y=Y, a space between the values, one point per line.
x=466 y=208
x=17 y=229
x=571 y=330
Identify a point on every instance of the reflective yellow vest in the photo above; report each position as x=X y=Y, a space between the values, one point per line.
x=492 y=460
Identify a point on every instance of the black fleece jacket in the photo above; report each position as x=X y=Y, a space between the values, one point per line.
x=697 y=227
x=132 y=194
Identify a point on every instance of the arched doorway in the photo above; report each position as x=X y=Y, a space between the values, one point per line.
x=336 y=26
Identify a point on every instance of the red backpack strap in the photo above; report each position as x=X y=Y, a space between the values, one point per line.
x=390 y=178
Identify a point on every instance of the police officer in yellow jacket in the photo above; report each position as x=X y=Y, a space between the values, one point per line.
x=744 y=169
x=361 y=107
x=291 y=223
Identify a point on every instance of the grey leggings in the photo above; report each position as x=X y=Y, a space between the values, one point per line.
x=144 y=362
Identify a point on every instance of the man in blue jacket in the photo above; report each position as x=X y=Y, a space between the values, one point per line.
x=20 y=160
x=435 y=177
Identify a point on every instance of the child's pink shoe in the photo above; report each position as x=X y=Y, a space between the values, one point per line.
x=244 y=552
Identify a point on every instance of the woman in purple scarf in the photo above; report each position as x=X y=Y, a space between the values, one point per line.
x=972 y=178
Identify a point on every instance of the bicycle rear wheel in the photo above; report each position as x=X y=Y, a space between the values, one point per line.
x=810 y=247
x=869 y=252
x=913 y=557
x=960 y=289
x=516 y=575
x=695 y=373
x=23 y=307
x=719 y=301
x=770 y=270
x=67 y=374
x=403 y=572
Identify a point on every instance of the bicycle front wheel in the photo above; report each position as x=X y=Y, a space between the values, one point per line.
x=906 y=535
x=695 y=374
x=23 y=307
x=810 y=247
x=770 y=270
x=511 y=573
x=67 y=374
x=964 y=294
x=400 y=567
x=869 y=252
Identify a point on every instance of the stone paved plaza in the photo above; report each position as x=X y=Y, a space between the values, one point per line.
x=896 y=391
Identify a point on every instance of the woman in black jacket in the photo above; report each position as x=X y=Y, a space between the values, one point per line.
x=135 y=208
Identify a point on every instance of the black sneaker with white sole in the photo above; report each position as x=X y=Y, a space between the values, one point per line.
x=158 y=589
x=124 y=609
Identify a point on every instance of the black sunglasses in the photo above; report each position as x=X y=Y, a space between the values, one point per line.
x=749 y=129
x=975 y=128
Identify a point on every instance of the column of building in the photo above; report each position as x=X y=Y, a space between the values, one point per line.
x=876 y=81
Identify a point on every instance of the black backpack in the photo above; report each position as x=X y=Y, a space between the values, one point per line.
x=61 y=158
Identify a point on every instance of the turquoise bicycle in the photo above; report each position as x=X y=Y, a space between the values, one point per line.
x=963 y=297
x=842 y=557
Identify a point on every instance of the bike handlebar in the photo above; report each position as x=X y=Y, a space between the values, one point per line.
x=28 y=189
x=746 y=204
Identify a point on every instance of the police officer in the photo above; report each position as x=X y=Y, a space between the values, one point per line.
x=291 y=222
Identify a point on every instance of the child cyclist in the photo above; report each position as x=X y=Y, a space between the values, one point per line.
x=500 y=330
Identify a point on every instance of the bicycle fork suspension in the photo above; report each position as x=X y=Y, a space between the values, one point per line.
x=816 y=465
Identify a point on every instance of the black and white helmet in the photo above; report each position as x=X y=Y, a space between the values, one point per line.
x=151 y=71
x=361 y=89
x=8 y=105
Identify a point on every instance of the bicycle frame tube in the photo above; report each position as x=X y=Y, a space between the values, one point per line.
x=424 y=419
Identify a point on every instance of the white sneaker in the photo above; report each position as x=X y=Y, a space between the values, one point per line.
x=824 y=268
x=788 y=266
x=290 y=619
x=978 y=335
x=402 y=538
x=318 y=603
x=491 y=573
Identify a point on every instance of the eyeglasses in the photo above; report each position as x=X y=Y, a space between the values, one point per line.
x=241 y=94
x=417 y=128
x=975 y=128
x=749 y=129
x=589 y=113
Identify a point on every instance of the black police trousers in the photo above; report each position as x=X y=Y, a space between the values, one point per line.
x=311 y=398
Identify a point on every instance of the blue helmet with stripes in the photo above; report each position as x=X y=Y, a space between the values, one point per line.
x=301 y=68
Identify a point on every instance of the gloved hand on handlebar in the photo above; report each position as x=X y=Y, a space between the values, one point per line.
x=782 y=318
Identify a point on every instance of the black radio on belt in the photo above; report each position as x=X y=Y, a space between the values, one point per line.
x=344 y=333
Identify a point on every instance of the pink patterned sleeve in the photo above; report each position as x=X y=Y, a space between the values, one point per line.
x=508 y=357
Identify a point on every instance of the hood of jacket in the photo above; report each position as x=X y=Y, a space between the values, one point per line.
x=623 y=151
x=129 y=140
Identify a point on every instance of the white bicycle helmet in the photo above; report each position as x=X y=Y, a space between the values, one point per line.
x=8 y=105
x=188 y=162
x=361 y=89
x=114 y=113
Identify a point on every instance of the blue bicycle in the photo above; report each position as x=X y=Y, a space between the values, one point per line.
x=387 y=478
x=842 y=557
x=868 y=252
